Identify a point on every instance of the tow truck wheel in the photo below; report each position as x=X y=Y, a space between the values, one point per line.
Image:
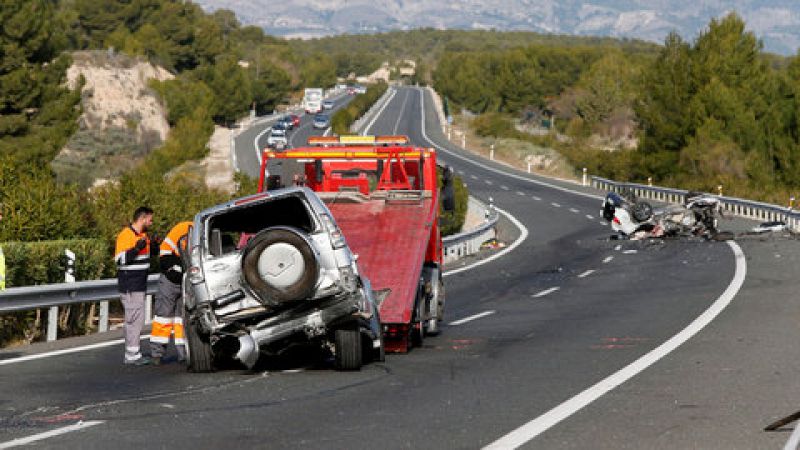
x=348 y=349
x=198 y=349
x=433 y=323
x=280 y=266
x=417 y=325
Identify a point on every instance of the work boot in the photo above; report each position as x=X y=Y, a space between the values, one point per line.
x=141 y=361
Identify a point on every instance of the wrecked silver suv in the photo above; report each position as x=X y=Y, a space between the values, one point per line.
x=271 y=271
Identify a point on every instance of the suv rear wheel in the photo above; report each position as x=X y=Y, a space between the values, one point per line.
x=348 y=349
x=198 y=351
x=279 y=266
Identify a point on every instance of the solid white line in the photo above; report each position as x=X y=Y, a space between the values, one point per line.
x=539 y=425
x=255 y=144
x=586 y=274
x=523 y=231
x=794 y=439
x=556 y=205
x=327 y=131
x=501 y=172
x=380 y=111
x=65 y=351
x=546 y=292
x=523 y=234
x=48 y=434
x=629 y=252
x=608 y=259
x=471 y=318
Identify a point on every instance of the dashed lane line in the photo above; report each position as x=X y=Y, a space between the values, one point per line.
x=608 y=259
x=573 y=210
x=556 y=205
x=48 y=434
x=520 y=193
x=586 y=274
x=546 y=292
x=590 y=217
x=471 y=318
x=539 y=425
x=473 y=177
x=488 y=182
x=503 y=187
x=538 y=199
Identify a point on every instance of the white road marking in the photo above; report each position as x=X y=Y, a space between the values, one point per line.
x=473 y=177
x=590 y=217
x=461 y=172
x=327 y=131
x=538 y=199
x=488 y=182
x=520 y=193
x=794 y=440
x=523 y=234
x=380 y=111
x=48 y=434
x=546 y=292
x=617 y=248
x=586 y=274
x=603 y=223
x=574 y=210
x=556 y=204
x=539 y=425
x=65 y=351
x=505 y=188
x=471 y=318
x=629 y=252
x=400 y=115
x=255 y=144
x=608 y=259
x=501 y=172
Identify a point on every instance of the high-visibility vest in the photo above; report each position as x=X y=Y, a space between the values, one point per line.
x=2 y=270
x=132 y=264
x=170 y=243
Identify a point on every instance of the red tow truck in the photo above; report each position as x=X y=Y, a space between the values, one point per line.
x=383 y=194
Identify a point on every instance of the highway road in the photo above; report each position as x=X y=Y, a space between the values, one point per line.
x=568 y=340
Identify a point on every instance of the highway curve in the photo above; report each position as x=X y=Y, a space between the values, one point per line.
x=562 y=311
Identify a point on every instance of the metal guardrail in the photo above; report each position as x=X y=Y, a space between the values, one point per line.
x=53 y=296
x=467 y=243
x=747 y=209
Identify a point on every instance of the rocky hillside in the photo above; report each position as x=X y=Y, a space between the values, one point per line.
x=122 y=120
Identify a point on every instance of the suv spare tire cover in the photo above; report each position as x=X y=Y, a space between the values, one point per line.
x=279 y=265
x=642 y=211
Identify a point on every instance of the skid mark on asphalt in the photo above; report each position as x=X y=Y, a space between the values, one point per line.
x=471 y=318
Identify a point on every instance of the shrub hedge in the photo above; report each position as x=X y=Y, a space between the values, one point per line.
x=344 y=118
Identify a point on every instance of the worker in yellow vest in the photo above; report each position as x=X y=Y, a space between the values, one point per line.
x=168 y=307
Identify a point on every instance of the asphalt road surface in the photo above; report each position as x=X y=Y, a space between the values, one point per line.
x=569 y=340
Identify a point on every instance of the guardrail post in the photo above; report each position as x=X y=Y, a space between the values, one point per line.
x=103 y=322
x=52 y=324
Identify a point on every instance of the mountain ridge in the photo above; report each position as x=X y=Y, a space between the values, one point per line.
x=776 y=22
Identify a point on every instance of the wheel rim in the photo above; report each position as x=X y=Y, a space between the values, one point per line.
x=281 y=265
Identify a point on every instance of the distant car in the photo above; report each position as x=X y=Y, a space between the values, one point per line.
x=351 y=90
x=322 y=121
x=277 y=138
x=327 y=104
x=287 y=122
x=295 y=119
x=360 y=89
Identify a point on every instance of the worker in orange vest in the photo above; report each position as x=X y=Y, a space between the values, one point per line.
x=168 y=308
x=132 y=256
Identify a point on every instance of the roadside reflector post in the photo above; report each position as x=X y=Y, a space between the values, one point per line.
x=585 y=178
x=464 y=140
x=649 y=181
x=719 y=189
x=491 y=152
x=791 y=202
x=449 y=132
